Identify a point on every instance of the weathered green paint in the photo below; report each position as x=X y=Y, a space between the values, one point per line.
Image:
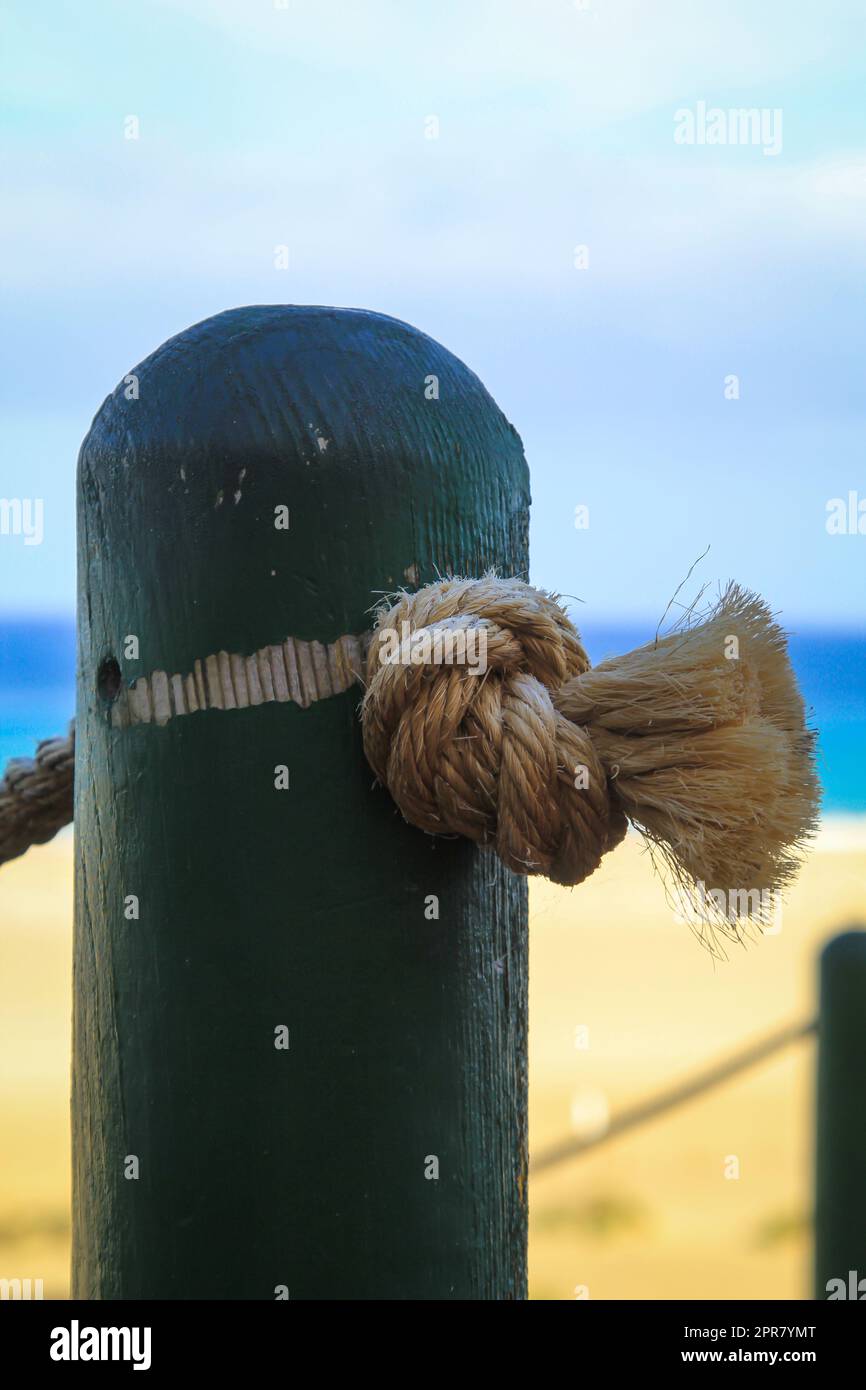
x=840 y=1207
x=305 y=907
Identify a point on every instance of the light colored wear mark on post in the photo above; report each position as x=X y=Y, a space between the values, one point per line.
x=306 y=673
x=292 y=671
x=239 y=681
x=139 y=702
x=159 y=697
x=278 y=672
x=291 y=660
x=177 y=695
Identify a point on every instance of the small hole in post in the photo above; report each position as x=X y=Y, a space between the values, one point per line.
x=108 y=680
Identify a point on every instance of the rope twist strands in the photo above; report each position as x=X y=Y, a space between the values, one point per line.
x=701 y=744
x=698 y=738
x=36 y=796
x=488 y=755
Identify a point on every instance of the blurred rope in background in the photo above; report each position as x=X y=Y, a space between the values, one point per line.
x=651 y=1109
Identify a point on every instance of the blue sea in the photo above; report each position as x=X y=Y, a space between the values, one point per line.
x=37 y=692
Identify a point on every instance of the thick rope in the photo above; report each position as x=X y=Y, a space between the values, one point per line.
x=484 y=752
x=698 y=738
x=36 y=796
x=483 y=718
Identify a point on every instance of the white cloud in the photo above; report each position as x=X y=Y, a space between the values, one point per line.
x=613 y=59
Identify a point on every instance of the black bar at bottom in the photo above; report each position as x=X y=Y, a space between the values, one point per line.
x=66 y=1338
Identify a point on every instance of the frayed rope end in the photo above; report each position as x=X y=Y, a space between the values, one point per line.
x=699 y=738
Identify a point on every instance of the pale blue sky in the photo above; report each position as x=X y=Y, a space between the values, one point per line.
x=305 y=126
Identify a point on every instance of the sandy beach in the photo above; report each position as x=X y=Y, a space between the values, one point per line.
x=624 y=1002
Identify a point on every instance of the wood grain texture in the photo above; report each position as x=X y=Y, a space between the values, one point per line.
x=304 y=907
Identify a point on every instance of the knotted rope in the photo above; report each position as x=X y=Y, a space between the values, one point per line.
x=483 y=718
x=698 y=738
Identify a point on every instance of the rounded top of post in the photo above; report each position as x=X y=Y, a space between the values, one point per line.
x=246 y=376
x=846 y=950
x=379 y=445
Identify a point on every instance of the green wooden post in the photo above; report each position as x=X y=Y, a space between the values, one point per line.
x=308 y=1168
x=840 y=1206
